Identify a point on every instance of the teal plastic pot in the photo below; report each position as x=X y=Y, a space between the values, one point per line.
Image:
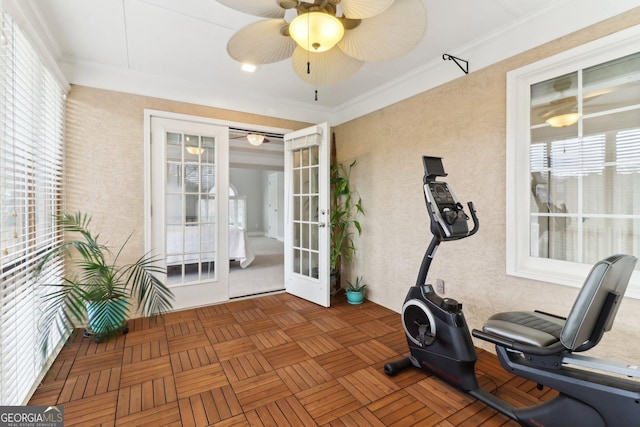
x=106 y=317
x=355 y=297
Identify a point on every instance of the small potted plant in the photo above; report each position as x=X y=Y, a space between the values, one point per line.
x=355 y=291
x=98 y=288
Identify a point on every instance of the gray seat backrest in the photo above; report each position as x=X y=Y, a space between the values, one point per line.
x=585 y=323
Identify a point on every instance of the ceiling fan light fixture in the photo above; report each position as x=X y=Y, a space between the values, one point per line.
x=195 y=151
x=563 y=120
x=249 y=68
x=316 y=31
x=255 y=139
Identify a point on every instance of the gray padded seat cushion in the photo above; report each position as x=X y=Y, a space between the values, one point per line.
x=526 y=327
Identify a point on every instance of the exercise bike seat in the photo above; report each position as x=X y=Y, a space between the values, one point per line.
x=591 y=316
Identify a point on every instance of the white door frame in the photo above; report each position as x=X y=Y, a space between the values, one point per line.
x=148 y=115
x=307 y=234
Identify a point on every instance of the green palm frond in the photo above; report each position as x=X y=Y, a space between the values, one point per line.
x=99 y=280
x=344 y=215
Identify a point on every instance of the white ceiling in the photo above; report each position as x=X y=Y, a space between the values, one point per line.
x=176 y=49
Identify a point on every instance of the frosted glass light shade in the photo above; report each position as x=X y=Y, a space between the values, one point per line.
x=255 y=139
x=316 y=31
x=563 y=120
x=194 y=150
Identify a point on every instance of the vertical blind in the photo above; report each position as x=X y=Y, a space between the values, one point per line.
x=31 y=156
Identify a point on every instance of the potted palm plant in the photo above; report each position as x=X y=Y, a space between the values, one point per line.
x=346 y=206
x=98 y=288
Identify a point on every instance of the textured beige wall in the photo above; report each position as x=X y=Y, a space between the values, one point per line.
x=464 y=122
x=104 y=146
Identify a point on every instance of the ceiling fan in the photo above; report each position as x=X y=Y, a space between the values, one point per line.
x=328 y=40
x=255 y=138
x=563 y=109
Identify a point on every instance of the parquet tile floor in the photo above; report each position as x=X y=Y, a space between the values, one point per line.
x=276 y=360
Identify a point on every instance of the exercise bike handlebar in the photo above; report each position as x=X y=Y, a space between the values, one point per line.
x=440 y=237
x=474 y=217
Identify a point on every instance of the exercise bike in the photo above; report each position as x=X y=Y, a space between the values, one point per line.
x=535 y=345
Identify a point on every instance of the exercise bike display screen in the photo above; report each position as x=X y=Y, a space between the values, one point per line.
x=441 y=194
x=447 y=211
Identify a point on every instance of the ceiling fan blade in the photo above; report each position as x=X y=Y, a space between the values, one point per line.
x=362 y=9
x=325 y=68
x=388 y=35
x=264 y=8
x=261 y=43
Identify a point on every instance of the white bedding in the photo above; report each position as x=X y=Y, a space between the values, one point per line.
x=239 y=247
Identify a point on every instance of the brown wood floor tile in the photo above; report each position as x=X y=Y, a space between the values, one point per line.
x=210 y=407
x=328 y=401
x=260 y=390
x=246 y=366
x=358 y=418
x=86 y=364
x=250 y=315
x=150 y=349
x=193 y=358
x=288 y=319
x=287 y=412
x=233 y=348
x=163 y=415
x=221 y=333
x=284 y=355
x=276 y=360
x=340 y=362
x=368 y=385
x=373 y=351
x=271 y=338
x=195 y=381
x=319 y=344
x=92 y=410
x=148 y=370
x=303 y=375
x=401 y=408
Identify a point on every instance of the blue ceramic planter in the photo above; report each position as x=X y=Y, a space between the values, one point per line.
x=106 y=317
x=355 y=297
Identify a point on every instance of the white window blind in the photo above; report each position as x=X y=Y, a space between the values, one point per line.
x=31 y=156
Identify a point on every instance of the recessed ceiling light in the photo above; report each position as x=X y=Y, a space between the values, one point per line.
x=249 y=68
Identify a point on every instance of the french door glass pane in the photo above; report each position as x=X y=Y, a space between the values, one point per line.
x=305 y=211
x=190 y=208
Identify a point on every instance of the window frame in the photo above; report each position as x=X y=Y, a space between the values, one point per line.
x=519 y=262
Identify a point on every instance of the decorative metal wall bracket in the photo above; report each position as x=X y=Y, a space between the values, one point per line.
x=458 y=62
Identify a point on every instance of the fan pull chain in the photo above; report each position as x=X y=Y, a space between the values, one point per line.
x=308 y=67
x=316 y=94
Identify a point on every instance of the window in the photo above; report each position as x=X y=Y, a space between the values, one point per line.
x=31 y=141
x=237 y=209
x=573 y=161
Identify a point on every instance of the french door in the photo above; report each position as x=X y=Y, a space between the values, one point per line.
x=307 y=216
x=188 y=162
